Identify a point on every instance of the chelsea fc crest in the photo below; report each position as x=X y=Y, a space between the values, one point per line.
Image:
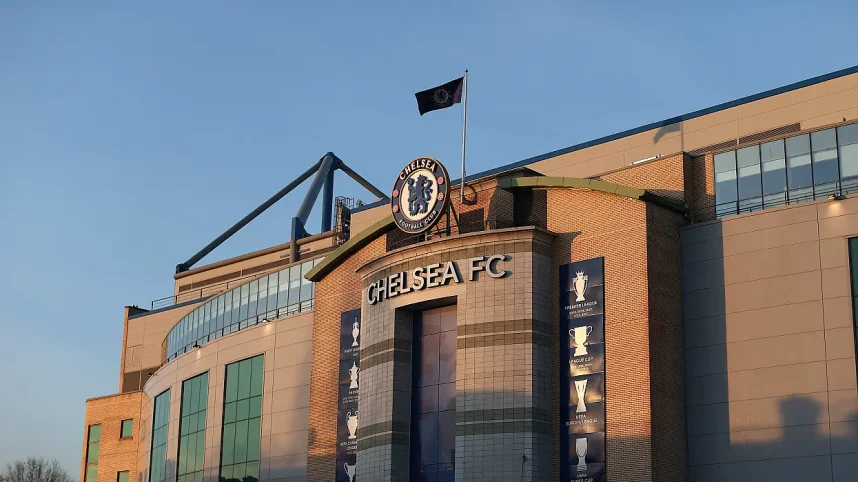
x=420 y=195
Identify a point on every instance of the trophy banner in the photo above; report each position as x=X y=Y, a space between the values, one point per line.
x=582 y=345
x=348 y=416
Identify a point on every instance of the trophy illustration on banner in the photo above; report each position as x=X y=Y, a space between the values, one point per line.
x=581 y=389
x=353 y=372
x=352 y=424
x=581 y=450
x=350 y=471
x=579 y=334
x=579 y=285
x=355 y=333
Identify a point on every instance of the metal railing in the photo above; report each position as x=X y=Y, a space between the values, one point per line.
x=202 y=292
x=835 y=189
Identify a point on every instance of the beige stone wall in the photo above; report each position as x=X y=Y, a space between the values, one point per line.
x=503 y=397
x=115 y=454
x=770 y=351
x=287 y=346
x=813 y=106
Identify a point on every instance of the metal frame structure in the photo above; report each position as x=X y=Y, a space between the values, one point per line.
x=323 y=182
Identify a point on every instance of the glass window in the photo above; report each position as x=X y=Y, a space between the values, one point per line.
x=192 y=428
x=262 y=302
x=726 y=190
x=433 y=418
x=799 y=173
x=847 y=142
x=283 y=289
x=306 y=287
x=245 y=296
x=123 y=476
x=825 y=168
x=126 y=429
x=272 y=296
x=160 y=425
x=93 y=447
x=294 y=287
x=748 y=162
x=251 y=303
x=240 y=445
x=773 y=161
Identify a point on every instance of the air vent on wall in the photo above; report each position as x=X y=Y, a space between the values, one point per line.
x=713 y=147
x=776 y=132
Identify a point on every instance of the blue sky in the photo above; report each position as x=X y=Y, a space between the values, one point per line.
x=133 y=133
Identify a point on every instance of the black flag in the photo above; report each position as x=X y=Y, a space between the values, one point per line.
x=440 y=97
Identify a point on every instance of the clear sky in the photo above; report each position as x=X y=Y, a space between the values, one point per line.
x=133 y=133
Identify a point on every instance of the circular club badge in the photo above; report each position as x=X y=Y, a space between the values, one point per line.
x=420 y=195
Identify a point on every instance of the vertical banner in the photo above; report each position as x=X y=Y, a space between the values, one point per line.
x=347 y=404
x=582 y=344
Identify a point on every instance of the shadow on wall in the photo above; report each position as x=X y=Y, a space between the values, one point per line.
x=746 y=424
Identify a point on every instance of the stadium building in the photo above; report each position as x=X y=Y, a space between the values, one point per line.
x=673 y=302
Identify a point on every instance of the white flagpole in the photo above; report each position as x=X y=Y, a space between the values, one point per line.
x=464 y=132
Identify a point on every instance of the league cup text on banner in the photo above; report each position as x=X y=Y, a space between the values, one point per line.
x=582 y=335
x=347 y=402
x=434 y=275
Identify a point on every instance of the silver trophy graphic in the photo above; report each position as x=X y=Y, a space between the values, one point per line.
x=581 y=450
x=579 y=334
x=351 y=470
x=352 y=424
x=581 y=389
x=579 y=285
x=353 y=373
x=355 y=333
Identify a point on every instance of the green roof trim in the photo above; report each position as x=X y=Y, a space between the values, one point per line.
x=351 y=246
x=594 y=185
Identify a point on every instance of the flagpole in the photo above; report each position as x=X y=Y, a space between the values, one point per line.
x=464 y=133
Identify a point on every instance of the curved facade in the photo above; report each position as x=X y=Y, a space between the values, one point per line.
x=664 y=304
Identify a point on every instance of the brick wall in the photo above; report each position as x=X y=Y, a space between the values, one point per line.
x=664 y=177
x=338 y=292
x=115 y=455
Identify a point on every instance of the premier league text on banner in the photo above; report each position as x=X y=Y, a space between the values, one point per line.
x=582 y=335
x=347 y=403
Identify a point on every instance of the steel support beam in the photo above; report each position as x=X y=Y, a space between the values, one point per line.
x=328 y=201
x=360 y=180
x=247 y=219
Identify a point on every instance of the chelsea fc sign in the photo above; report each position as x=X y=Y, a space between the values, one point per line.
x=420 y=195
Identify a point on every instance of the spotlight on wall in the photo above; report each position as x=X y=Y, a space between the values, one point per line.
x=836 y=197
x=196 y=345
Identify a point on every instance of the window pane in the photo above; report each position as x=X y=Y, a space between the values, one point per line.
x=231 y=382
x=447 y=437
x=127 y=429
x=253 y=434
x=257 y=374
x=91 y=473
x=847 y=140
x=428 y=438
x=294 y=284
x=447 y=396
x=242 y=312
x=95 y=433
x=799 y=172
x=244 y=370
x=825 y=167
x=262 y=302
x=92 y=452
x=773 y=166
x=228 y=444
x=748 y=160
x=282 y=297
x=122 y=476
x=447 y=357
x=429 y=399
x=429 y=360
x=241 y=441
x=726 y=161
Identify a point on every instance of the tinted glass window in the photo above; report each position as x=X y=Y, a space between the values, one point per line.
x=192 y=428
x=160 y=425
x=847 y=140
x=799 y=173
x=93 y=448
x=825 y=168
x=726 y=189
x=122 y=476
x=240 y=445
x=748 y=162
x=434 y=408
x=127 y=429
x=773 y=161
